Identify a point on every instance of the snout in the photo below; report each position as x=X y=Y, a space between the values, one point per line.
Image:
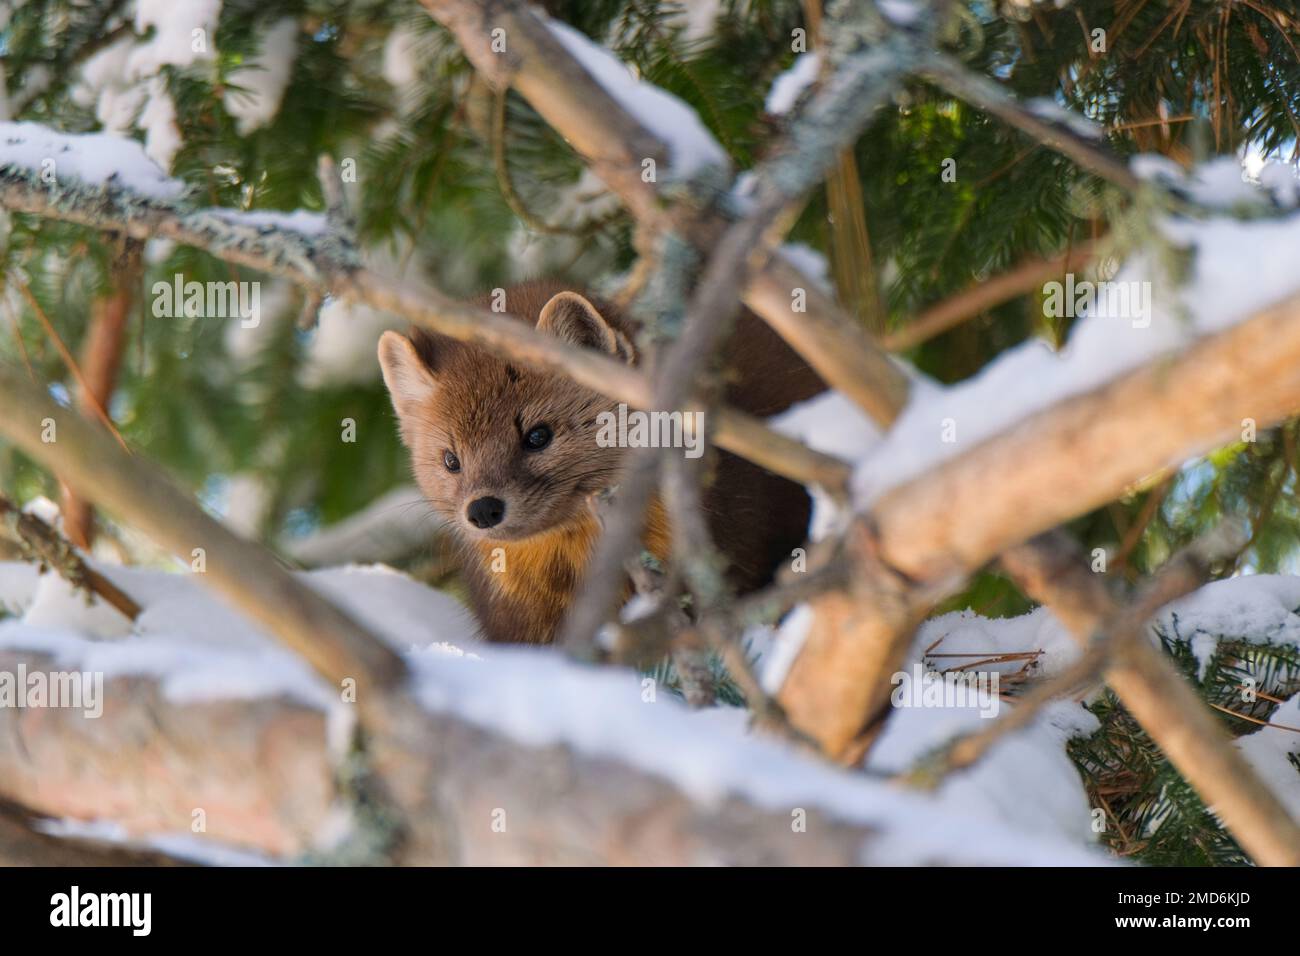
x=486 y=512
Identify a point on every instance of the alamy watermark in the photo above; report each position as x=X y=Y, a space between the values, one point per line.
x=75 y=690
x=638 y=429
x=208 y=300
x=927 y=688
x=1105 y=299
x=133 y=911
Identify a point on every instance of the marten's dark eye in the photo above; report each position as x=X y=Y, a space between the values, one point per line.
x=538 y=438
x=451 y=461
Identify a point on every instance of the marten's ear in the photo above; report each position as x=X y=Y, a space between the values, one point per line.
x=571 y=317
x=409 y=380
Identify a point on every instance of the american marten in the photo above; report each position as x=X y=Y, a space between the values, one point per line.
x=509 y=456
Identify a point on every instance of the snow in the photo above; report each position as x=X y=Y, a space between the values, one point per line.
x=195 y=646
x=263 y=81
x=1026 y=779
x=162 y=138
x=810 y=262
x=182 y=846
x=302 y=221
x=695 y=19
x=174 y=41
x=341 y=349
x=103 y=160
x=901 y=12
x=1048 y=109
x=105 y=86
x=401 y=63
x=1226 y=182
x=17 y=585
x=541 y=700
x=1258 y=608
x=125 y=81
x=247 y=503
x=691 y=146
x=775 y=665
x=1281 y=180
x=789 y=86
x=93 y=159
x=977 y=637
x=1275 y=751
x=832 y=424
x=829 y=423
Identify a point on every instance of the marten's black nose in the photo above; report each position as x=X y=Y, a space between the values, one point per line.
x=486 y=512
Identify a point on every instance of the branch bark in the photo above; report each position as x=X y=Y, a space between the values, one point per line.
x=258 y=769
x=262 y=772
x=101 y=357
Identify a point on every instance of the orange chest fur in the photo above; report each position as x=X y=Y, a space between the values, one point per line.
x=547 y=569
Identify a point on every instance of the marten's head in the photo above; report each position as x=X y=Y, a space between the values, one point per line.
x=503 y=451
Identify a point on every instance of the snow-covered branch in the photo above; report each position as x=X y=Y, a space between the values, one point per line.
x=1051 y=570
x=247 y=575
x=106 y=182
x=509 y=756
x=1034 y=475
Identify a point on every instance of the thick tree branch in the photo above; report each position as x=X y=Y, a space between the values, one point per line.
x=262 y=772
x=1049 y=468
x=248 y=576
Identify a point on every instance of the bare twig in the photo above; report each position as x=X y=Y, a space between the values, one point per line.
x=1180 y=576
x=992 y=97
x=981 y=296
x=38 y=542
